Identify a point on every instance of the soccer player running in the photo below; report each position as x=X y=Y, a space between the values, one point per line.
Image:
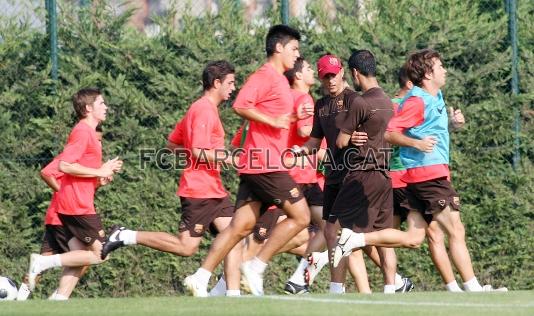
x=266 y=102
x=435 y=236
x=301 y=78
x=365 y=201
x=422 y=117
x=205 y=202
x=338 y=99
x=81 y=164
x=54 y=238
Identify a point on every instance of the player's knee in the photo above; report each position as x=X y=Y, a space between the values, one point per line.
x=189 y=250
x=303 y=221
x=243 y=232
x=458 y=232
x=435 y=236
x=301 y=238
x=415 y=240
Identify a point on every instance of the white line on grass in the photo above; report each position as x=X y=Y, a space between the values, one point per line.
x=382 y=302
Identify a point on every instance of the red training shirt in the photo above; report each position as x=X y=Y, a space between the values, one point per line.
x=76 y=194
x=200 y=128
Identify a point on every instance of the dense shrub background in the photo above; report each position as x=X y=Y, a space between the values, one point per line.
x=149 y=83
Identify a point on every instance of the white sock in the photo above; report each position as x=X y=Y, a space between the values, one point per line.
x=233 y=293
x=203 y=276
x=389 y=289
x=220 y=288
x=48 y=262
x=322 y=255
x=257 y=265
x=453 y=287
x=398 y=281
x=23 y=293
x=298 y=276
x=337 y=288
x=129 y=237
x=472 y=285
x=357 y=240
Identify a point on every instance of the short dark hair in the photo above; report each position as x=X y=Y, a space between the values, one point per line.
x=216 y=70
x=402 y=77
x=83 y=97
x=420 y=63
x=364 y=62
x=282 y=34
x=291 y=73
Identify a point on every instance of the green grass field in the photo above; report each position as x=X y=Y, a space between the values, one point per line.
x=428 y=303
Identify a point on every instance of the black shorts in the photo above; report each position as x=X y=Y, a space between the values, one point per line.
x=402 y=206
x=86 y=228
x=55 y=240
x=399 y=197
x=431 y=196
x=272 y=188
x=198 y=214
x=330 y=194
x=265 y=224
x=313 y=193
x=365 y=201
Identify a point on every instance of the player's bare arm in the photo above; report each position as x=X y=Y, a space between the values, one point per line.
x=425 y=145
x=282 y=121
x=312 y=145
x=106 y=170
x=343 y=139
x=50 y=181
x=456 y=119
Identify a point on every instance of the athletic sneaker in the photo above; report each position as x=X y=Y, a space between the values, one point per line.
x=253 y=279
x=316 y=261
x=23 y=293
x=57 y=297
x=113 y=241
x=34 y=270
x=407 y=286
x=295 y=289
x=344 y=246
x=194 y=287
x=489 y=288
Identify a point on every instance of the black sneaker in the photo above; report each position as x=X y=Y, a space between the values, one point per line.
x=407 y=286
x=112 y=242
x=295 y=289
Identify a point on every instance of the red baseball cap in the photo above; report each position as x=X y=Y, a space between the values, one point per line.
x=328 y=64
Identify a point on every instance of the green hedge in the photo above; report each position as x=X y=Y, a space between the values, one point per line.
x=149 y=83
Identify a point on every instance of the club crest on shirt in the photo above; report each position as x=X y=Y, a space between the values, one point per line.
x=294 y=192
x=198 y=228
x=101 y=233
x=456 y=200
x=262 y=232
